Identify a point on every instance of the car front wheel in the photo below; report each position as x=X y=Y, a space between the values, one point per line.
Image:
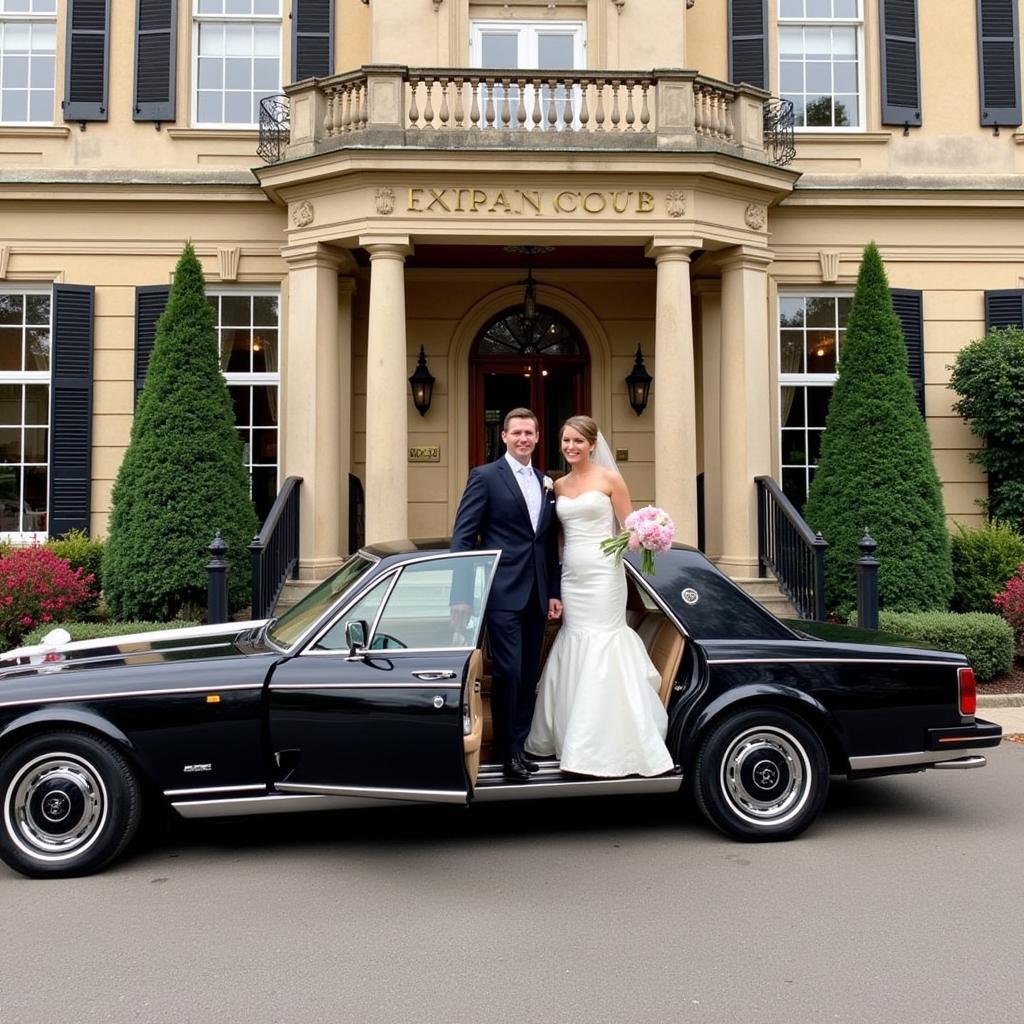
x=71 y=803
x=761 y=775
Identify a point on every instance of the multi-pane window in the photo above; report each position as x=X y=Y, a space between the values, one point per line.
x=248 y=326
x=28 y=50
x=237 y=60
x=24 y=409
x=811 y=331
x=820 y=46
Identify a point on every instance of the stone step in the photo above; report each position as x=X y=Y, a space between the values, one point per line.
x=293 y=592
x=766 y=591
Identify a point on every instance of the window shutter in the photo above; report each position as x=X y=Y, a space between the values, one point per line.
x=71 y=408
x=87 y=60
x=907 y=303
x=1004 y=309
x=312 y=39
x=156 y=52
x=999 y=62
x=901 y=96
x=150 y=302
x=748 y=42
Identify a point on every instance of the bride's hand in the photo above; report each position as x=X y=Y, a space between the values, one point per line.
x=554 y=609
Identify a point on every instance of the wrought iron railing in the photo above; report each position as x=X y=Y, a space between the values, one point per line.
x=275 y=129
x=790 y=549
x=779 y=141
x=275 y=549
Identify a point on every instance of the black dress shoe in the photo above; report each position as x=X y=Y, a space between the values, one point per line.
x=529 y=764
x=515 y=771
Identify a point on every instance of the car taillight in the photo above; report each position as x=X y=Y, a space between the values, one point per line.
x=968 y=693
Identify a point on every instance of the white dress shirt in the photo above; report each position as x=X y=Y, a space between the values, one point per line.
x=529 y=485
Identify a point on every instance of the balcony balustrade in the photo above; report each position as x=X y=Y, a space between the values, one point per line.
x=471 y=108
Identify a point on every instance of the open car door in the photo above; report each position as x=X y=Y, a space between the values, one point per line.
x=383 y=703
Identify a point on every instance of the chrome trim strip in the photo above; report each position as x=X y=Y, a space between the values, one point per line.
x=548 y=784
x=925 y=758
x=384 y=652
x=274 y=803
x=214 y=789
x=834 y=661
x=975 y=761
x=428 y=685
x=129 y=693
x=438 y=796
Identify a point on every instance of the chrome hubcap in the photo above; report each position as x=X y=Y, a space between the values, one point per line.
x=55 y=807
x=766 y=776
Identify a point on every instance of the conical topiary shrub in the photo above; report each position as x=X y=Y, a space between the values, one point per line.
x=876 y=469
x=183 y=476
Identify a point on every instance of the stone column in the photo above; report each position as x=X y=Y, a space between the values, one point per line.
x=746 y=424
x=316 y=362
x=675 y=424
x=387 y=391
x=709 y=299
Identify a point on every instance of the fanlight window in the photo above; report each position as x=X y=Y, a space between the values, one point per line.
x=513 y=334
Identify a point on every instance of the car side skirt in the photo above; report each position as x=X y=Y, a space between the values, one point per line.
x=915 y=759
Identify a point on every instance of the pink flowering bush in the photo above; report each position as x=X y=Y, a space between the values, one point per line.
x=38 y=587
x=648 y=530
x=1010 y=602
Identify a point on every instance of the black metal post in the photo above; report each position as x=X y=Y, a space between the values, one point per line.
x=867 y=584
x=217 y=582
x=820 y=546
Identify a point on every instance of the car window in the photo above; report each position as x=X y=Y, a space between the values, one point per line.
x=365 y=608
x=285 y=630
x=417 y=610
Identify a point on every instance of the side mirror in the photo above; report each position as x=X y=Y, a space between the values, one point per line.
x=355 y=636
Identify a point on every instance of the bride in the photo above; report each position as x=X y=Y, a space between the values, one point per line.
x=598 y=709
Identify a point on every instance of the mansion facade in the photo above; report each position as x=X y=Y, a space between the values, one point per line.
x=526 y=203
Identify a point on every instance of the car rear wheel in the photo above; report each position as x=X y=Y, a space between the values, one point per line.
x=761 y=775
x=71 y=803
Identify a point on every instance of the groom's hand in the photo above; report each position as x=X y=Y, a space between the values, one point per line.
x=458 y=616
x=554 y=608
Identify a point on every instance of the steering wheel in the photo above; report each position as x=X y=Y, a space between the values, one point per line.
x=389 y=641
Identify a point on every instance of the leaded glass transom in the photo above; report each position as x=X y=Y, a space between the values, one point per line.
x=547 y=334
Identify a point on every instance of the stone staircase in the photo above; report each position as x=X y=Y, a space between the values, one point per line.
x=293 y=592
x=766 y=591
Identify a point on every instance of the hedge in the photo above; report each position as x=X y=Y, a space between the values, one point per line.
x=985 y=640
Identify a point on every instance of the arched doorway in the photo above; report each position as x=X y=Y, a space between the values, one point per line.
x=540 y=362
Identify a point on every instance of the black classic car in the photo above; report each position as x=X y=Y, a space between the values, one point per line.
x=365 y=693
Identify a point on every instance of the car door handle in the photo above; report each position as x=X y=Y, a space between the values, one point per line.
x=430 y=676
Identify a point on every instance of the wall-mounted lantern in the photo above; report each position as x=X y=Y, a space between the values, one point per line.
x=422 y=384
x=638 y=384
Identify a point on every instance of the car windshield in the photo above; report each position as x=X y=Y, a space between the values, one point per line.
x=294 y=622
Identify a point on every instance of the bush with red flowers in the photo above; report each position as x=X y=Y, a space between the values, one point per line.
x=1010 y=601
x=38 y=587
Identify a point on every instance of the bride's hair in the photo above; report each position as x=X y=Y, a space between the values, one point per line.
x=582 y=425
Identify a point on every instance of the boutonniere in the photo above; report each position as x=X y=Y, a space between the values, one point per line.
x=548 y=483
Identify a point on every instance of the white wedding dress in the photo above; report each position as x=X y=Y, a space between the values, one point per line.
x=598 y=709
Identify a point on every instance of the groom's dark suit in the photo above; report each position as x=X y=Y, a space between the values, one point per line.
x=493 y=514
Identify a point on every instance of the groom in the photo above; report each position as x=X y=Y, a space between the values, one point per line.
x=509 y=505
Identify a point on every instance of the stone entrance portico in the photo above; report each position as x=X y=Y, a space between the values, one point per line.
x=389 y=250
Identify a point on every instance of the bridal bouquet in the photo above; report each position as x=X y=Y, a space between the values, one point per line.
x=648 y=530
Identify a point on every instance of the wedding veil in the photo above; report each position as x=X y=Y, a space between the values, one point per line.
x=602 y=455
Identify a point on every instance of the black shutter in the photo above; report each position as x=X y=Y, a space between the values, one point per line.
x=908 y=305
x=150 y=302
x=999 y=62
x=1004 y=309
x=748 y=42
x=901 y=76
x=312 y=39
x=156 y=52
x=71 y=408
x=87 y=60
